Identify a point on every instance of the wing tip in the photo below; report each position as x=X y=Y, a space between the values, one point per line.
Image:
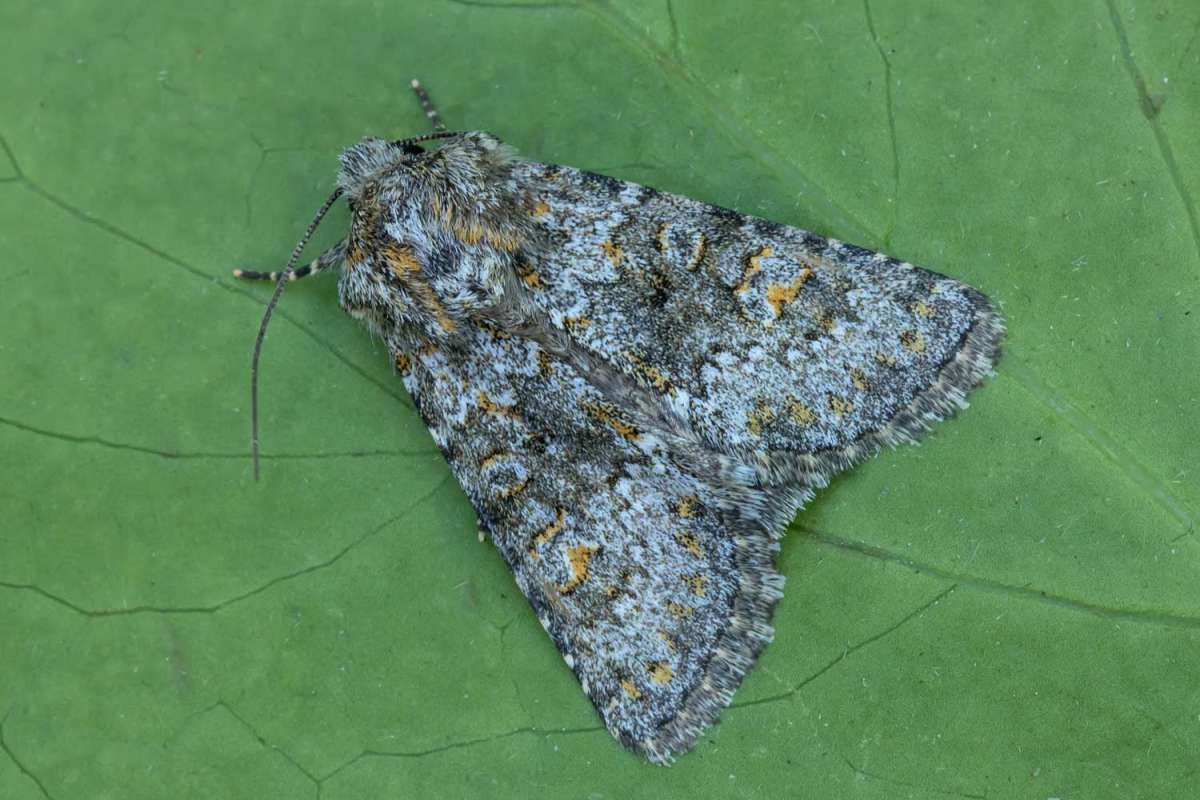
x=735 y=653
x=790 y=477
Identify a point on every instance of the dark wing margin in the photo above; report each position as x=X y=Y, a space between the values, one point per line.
x=734 y=652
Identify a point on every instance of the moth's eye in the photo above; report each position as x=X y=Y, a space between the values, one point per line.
x=411 y=149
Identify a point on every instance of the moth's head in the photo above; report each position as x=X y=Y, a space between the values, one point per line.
x=454 y=161
x=437 y=235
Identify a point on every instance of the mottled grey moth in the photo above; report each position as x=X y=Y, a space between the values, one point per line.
x=637 y=391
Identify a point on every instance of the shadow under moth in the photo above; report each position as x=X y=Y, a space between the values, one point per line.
x=637 y=391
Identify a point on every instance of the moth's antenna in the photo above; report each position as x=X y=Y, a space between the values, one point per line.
x=425 y=137
x=262 y=328
x=431 y=112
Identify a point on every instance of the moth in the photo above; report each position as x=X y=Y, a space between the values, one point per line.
x=637 y=391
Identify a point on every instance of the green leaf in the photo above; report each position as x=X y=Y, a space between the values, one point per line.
x=1009 y=610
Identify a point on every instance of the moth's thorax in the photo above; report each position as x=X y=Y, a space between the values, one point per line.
x=436 y=237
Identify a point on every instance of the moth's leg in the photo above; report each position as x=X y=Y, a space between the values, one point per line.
x=327 y=260
x=431 y=113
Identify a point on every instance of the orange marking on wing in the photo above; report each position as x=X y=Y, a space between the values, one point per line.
x=840 y=406
x=800 y=413
x=576 y=322
x=548 y=533
x=759 y=418
x=753 y=267
x=859 y=379
x=615 y=254
x=514 y=490
x=405 y=266
x=608 y=415
x=698 y=253
x=678 y=609
x=691 y=543
x=545 y=361
x=493 y=457
x=365 y=225
x=661 y=242
x=469 y=228
x=660 y=382
x=913 y=342
x=780 y=294
x=490 y=406
x=686 y=507
x=660 y=672
x=579 y=557
x=527 y=273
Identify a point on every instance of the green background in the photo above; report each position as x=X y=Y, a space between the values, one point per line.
x=1011 y=609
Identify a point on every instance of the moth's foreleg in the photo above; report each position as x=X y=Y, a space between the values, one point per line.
x=327 y=260
x=431 y=112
